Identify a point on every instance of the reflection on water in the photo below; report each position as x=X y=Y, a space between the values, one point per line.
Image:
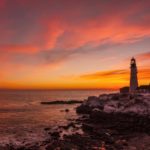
x=23 y=118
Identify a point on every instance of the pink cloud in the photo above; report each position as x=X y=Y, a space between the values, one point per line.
x=144 y=56
x=104 y=21
x=68 y=25
x=2 y=3
x=18 y=48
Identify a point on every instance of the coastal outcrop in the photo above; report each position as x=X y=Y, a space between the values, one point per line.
x=121 y=120
x=117 y=103
x=124 y=112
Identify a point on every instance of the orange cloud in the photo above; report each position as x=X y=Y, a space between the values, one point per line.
x=105 y=74
x=117 y=78
x=144 y=56
x=144 y=74
x=18 y=48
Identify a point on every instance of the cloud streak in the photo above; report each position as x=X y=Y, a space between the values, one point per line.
x=116 y=75
x=144 y=56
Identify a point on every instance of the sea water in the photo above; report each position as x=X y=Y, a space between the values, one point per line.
x=23 y=118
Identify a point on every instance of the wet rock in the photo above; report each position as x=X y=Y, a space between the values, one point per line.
x=132 y=148
x=53 y=145
x=71 y=124
x=83 y=109
x=47 y=128
x=55 y=134
x=61 y=102
x=66 y=110
x=120 y=144
x=87 y=127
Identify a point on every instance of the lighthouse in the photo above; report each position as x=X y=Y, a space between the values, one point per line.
x=133 y=76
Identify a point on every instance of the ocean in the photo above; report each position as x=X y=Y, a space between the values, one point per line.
x=23 y=118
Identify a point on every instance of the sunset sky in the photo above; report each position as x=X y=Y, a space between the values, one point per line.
x=73 y=44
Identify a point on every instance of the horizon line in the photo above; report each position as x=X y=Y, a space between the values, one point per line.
x=69 y=89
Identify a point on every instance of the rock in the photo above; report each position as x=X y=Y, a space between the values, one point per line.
x=55 y=134
x=120 y=143
x=132 y=148
x=83 y=109
x=87 y=127
x=88 y=105
x=125 y=112
x=71 y=124
x=46 y=129
x=62 y=102
x=66 y=110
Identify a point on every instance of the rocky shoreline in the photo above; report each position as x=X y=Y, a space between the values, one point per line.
x=62 y=102
x=108 y=122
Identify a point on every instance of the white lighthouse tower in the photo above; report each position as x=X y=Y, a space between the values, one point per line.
x=133 y=76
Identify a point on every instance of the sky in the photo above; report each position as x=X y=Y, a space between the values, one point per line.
x=73 y=44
